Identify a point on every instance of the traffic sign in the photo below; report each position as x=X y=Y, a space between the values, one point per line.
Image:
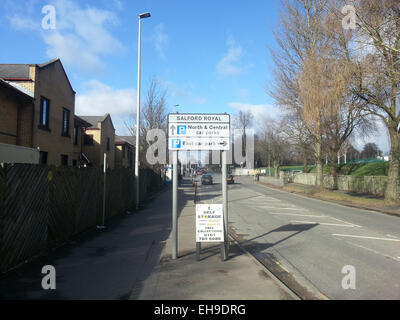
x=202 y=132
x=209 y=223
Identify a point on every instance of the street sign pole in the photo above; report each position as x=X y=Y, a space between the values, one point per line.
x=199 y=132
x=104 y=191
x=175 y=206
x=225 y=251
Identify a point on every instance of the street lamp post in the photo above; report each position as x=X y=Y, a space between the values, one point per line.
x=137 y=162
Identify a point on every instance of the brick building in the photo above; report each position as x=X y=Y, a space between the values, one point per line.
x=99 y=138
x=16 y=109
x=38 y=102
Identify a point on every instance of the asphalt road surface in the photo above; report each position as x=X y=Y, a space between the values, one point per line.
x=316 y=242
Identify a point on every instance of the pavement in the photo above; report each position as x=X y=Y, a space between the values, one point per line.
x=240 y=277
x=131 y=259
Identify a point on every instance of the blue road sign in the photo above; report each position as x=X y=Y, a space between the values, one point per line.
x=181 y=130
x=176 y=144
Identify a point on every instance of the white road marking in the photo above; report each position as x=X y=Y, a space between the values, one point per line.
x=296 y=215
x=374 y=251
x=324 y=223
x=355 y=225
x=389 y=235
x=279 y=208
x=364 y=237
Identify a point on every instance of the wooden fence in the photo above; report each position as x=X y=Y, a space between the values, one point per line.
x=41 y=207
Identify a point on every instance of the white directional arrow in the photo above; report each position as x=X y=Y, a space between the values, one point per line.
x=173 y=128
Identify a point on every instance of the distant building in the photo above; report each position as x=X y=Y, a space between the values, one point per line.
x=37 y=103
x=124 y=152
x=98 y=139
x=79 y=158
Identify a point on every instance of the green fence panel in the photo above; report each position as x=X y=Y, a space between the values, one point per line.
x=62 y=207
x=89 y=197
x=25 y=214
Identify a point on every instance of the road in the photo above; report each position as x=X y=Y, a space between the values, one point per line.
x=313 y=240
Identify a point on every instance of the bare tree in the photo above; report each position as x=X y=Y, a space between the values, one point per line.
x=298 y=136
x=371 y=150
x=243 y=121
x=314 y=77
x=272 y=142
x=301 y=38
x=153 y=115
x=376 y=52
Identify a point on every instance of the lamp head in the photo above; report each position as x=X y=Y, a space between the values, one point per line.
x=144 y=15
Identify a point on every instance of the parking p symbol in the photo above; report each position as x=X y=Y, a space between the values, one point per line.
x=181 y=129
x=176 y=143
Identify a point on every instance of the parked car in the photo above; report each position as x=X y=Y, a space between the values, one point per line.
x=230 y=179
x=207 y=179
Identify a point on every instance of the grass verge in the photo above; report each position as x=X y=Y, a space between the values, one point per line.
x=359 y=201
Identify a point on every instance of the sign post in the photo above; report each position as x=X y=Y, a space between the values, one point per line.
x=201 y=132
x=175 y=206
x=225 y=250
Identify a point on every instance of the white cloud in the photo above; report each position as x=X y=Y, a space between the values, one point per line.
x=22 y=23
x=160 y=40
x=81 y=38
x=258 y=110
x=229 y=64
x=98 y=99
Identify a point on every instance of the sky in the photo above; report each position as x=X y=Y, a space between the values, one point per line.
x=211 y=56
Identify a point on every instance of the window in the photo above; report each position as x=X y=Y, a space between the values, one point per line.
x=65 y=123
x=75 y=163
x=108 y=144
x=76 y=132
x=43 y=157
x=88 y=140
x=123 y=151
x=64 y=160
x=44 y=113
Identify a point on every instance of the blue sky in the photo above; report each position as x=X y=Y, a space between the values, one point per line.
x=212 y=56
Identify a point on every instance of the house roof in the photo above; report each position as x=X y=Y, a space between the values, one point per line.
x=124 y=140
x=20 y=72
x=14 y=71
x=94 y=120
x=80 y=122
x=17 y=90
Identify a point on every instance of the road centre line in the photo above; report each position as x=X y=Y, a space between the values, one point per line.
x=324 y=223
x=365 y=237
